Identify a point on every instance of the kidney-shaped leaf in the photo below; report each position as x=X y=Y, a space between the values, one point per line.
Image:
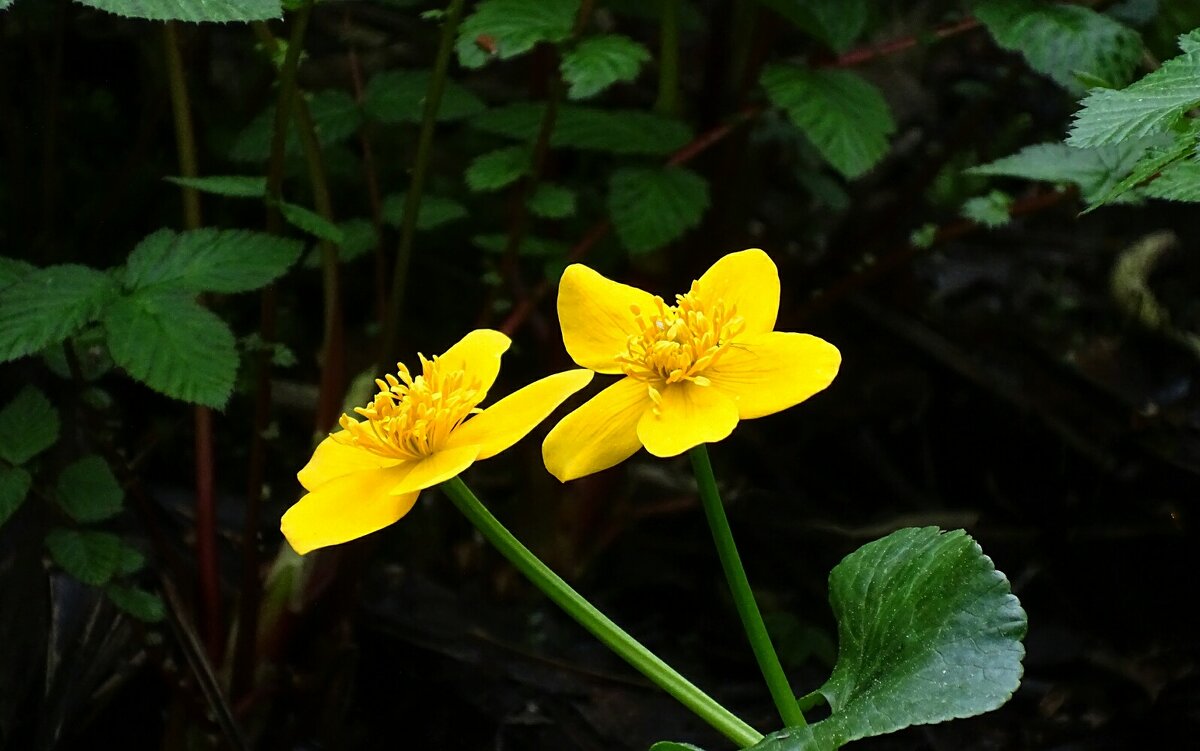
x=928 y=631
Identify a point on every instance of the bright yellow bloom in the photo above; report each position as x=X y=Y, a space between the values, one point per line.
x=418 y=431
x=692 y=369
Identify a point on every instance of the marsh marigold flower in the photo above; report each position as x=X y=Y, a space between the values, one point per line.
x=692 y=370
x=419 y=430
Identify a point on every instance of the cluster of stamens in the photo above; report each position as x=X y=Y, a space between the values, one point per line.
x=412 y=416
x=679 y=342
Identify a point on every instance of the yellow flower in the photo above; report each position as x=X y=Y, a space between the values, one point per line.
x=692 y=369
x=418 y=431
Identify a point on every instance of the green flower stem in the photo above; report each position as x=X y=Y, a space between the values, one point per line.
x=743 y=597
x=596 y=622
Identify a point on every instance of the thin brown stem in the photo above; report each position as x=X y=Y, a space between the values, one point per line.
x=874 y=51
x=206 y=513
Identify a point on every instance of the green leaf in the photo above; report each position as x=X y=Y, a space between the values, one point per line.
x=209 y=260
x=89 y=556
x=991 y=210
x=531 y=246
x=28 y=426
x=1095 y=171
x=1177 y=182
x=137 y=602
x=600 y=61
x=650 y=207
x=233 y=186
x=843 y=115
x=88 y=491
x=1064 y=42
x=1151 y=164
x=673 y=746
x=1155 y=104
x=928 y=631
x=496 y=169
x=508 y=28
x=590 y=128
x=335 y=114
x=398 y=96
x=837 y=23
x=14 y=487
x=793 y=739
x=47 y=305
x=307 y=220
x=169 y=342
x=551 y=201
x=191 y=10
x=434 y=212
x=13 y=270
x=5 y=3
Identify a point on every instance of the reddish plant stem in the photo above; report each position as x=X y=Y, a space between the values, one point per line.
x=206 y=513
x=374 y=195
x=874 y=51
x=902 y=255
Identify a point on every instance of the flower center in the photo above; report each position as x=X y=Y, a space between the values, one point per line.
x=679 y=342
x=411 y=417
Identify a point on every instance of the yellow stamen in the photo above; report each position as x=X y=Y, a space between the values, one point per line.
x=411 y=417
x=679 y=342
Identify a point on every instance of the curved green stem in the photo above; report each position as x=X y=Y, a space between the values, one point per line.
x=612 y=635
x=412 y=200
x=743 y=597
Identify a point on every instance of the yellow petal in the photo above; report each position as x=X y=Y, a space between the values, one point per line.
x=510 y=419
x=331 y=460
x=766 y=373
x=749 y=280
x=594 y=313
x=478 y=353
x=598 y=435
x=344 y=509
x=433 y=469
x=687 y=416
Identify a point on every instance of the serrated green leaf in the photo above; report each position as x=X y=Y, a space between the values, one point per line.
x=1095 y=171
x=844 y=116
x=232 y=186
x=191 y=10
x=928 y=631
x=1177 y=182
x=89 y=556
x=88 y=491
x=600 y=61
x=14 y=487
x=1061 y=40
x=5 y=3
x=209 y=260
x=1152 y=162
x=650 y=207
x=434 y=212
x=1155 y=104
x=551 y=201
x=307 y=220
x=507 y=28
x=532 y=246
x=167 y=341
x=1190 y=42
x=837 y=23
x=13 y=270
x=28 y=426
x=48 y=305
x=497 y=169
x=991 y=210
x=398 y=96
x=143 y=605
x=590 y=128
